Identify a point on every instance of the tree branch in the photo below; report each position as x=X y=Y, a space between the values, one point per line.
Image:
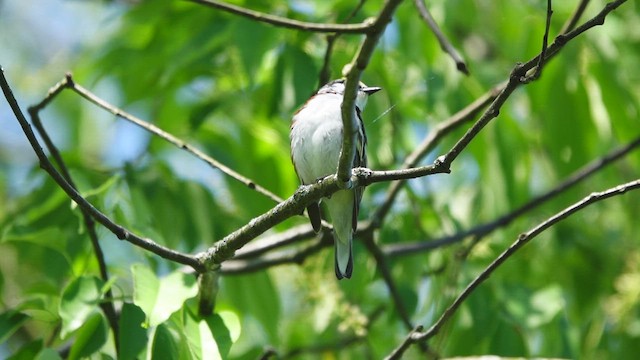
x=576 y=177
x=432 y=139
x=445 y=44
x=119 y=231
x=545 y=38
x=287 y=23
x=434 y=136
x=69 y=83
x=355 y=69
x=325 y=74
x=107 y=306
x=523 y=239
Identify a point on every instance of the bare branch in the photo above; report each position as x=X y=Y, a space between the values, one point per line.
x=434 y=136
x=522 y=240
x=483 y=229
x=69 y=83
x=325 y=74
x=445 y=44
x=545 y=38
x=518 y=77
x=287 y=23
x=119 y=231
x=355 y=69
x=107 y=306
x=573 y=20
x=239 y=266
x=432 y=139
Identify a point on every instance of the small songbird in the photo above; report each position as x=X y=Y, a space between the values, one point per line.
x=316 y=142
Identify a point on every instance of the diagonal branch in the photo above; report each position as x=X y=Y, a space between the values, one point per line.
x=432 y=139
x=483 y=229
x=545 y=39
x=119 y=231
x=442 y=40
x=434 y=136
x=325 y=73
x=69 y=83
x=287 y=23
x=523 y=239
x=518 y=77
x=107 y=306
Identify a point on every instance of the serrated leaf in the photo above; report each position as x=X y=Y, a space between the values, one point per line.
x=159 y=298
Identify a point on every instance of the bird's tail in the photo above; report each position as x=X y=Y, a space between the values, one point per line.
x=340 y=207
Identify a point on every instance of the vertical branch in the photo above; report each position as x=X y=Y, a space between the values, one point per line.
x=355 y=69
x=325 y=72
x=545 y=39
x=107 y=307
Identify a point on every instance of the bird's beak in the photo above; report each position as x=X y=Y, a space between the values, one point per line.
x=371 y=90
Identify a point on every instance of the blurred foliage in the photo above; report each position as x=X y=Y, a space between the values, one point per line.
x=230 y=86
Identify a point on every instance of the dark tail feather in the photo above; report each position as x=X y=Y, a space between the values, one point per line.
x=314 y=214
x=349 y=269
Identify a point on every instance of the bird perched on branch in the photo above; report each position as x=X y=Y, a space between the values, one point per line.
x=316 y=142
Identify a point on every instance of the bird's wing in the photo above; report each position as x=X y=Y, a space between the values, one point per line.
x=359 y=161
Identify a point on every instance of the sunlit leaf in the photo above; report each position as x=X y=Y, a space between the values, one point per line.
x=90 y=338
x=80 y=299
x=159 y=298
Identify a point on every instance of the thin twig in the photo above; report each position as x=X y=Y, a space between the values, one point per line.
x=381 y=262
x=545 y=39
x=522 y=240
x=120 y=232
x=240 y=266
x=69 y=83
x=518 y=77
x=325 y=72
x=348 y=107
x=481 y=230
x=287 y=23
x=107 y=306
x=575 y=17
x=432 y=139
x=417 y=335
x=445 y=44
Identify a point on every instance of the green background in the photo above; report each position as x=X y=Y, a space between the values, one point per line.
x=229 y=86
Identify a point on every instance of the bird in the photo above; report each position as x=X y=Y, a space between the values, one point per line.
x=316 y=143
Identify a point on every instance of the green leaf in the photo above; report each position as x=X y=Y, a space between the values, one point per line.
x=132 y=333
x=168 y=344
x=546 y=304
x=240 y=292
x=90 y=338
x=10 y=321
x=28 y=351
x=48 y=354
x=212 y=337
x=79 y=300
x=159 y=298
